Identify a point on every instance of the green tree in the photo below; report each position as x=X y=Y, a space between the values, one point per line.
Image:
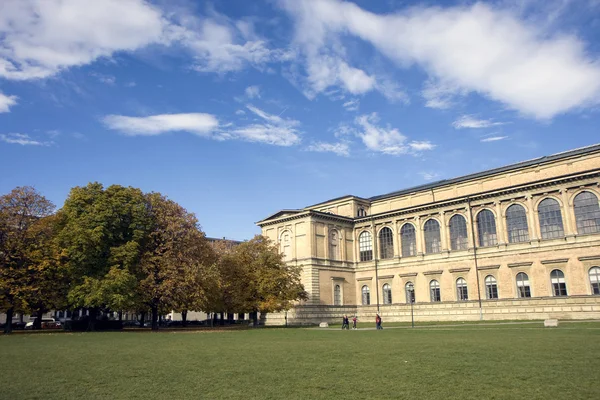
x=102 y=234
x=173 y=263
x=254 y=278
x=20 y=212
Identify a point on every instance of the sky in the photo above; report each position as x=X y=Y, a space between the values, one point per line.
x=237 y=109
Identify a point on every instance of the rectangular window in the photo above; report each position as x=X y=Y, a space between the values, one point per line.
x=435 y=294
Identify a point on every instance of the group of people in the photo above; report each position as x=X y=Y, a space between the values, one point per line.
x=346 y=322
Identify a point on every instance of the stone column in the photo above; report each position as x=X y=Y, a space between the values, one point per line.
x=327 y=238
x=532 y=220
x=396 y=230
x=444 y=233
x=419 y=236
x=569 y=225
x=500 y=225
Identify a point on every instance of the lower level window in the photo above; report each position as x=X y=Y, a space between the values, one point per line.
x=491 y=287
x=523 y=288
x=366 y=296
x=387 y=294
x=337 y=296
x=462 y=293
x=595 y=279
x=410 y=292
x=559 y=287
x=434 y=291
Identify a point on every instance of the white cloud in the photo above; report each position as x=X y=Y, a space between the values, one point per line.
x=6 y=102
x=429 y=176
x=470 y=122
x=493 y=139
x=253 y=92
x=341 y=149
x=22 y=139
x=106 y=79
x=240 y=112
x=386 y=140
x=270 y=129
x=351 y=105
x=479 y=48
x=197 y=123
x=39 y=38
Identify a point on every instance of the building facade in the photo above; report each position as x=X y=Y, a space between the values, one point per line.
x=517 y=242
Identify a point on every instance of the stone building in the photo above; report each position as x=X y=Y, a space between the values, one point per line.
x=517 y=242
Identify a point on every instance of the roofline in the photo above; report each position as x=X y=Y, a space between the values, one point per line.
x=351 y=196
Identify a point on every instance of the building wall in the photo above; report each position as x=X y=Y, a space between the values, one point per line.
x=573 y=253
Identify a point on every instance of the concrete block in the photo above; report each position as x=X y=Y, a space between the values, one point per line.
x=323 y=325
x=551 y=323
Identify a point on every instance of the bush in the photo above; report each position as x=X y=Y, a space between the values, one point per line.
x=82 y=325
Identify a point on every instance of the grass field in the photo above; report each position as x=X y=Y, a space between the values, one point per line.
x=469 y=361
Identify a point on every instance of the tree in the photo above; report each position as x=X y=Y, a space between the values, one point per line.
x=254 y=278
x=20 y=212
x=173 y=263
x=102 y=233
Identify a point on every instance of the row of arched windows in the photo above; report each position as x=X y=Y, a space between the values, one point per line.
x=586 y=210
x=557 y=280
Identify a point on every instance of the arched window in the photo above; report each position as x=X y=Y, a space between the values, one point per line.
x=362 y=212
x=462 y=293
x=587 y=213
x=523 y=288
x=365 y=246
x=491 y=287
x=408 y=239
x=386 y=243
x=366 y=296
x=337 y=295
x=458 y=233
x=486 y=228
x=286 y=245
x=595 y=279
x=559 y=287
x=434 y=291
x=410 y=292
x=334 y=248
x=516 y=224
x=387 y=294
x=551 y=225
x=432 y=236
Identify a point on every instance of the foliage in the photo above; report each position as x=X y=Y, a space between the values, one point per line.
x=25 y=264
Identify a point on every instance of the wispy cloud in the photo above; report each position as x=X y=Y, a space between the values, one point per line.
x=269 y=129
x=22 y=139
x=493 y=139
x=253 y=92
x=341 y=149
x=482 y=48
x=106 y=79
x=429 y=176
x=470 y=122
x=351 y=105
x=6 y=102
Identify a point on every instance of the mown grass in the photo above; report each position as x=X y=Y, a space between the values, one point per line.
x=471 y=361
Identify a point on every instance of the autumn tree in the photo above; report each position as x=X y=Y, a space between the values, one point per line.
x=20 y=212
x=172 y=268
x=255 y=278
x=101 y=237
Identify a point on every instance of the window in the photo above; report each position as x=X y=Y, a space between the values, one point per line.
x=337 y=295
x=434 y=290
x=551 y=225
x=386 y=243
x=516 y=224
x=366 y=296
x=387 y=294
x=286 y=245
x=410 y=292
x=432 y=236
x=462 y=293
x=491 y=287
x=559 y=287
x=458 y=233
x=408 y=239
x=595 y=279
x=365 y=245
x=587 y=213
x=334 y=240
x=486 y=228
x=523 y=288
x=362 y=212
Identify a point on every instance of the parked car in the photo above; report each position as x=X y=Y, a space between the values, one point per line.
x=47 y=323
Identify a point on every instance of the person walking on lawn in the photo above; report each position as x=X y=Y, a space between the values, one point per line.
x=345 y=323
x=354 y=319
x=378 y=322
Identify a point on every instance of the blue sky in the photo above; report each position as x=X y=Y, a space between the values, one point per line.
x=237 y=109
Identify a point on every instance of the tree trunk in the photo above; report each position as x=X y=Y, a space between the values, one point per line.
x=9 y=316
x=254 y=318
x=184 y=318
x=21 y=317
x=142 y=317
x=37 y=322
x=120 y=316
x=222 y=321
x=92 y=315
x=214 y=319
x=154 y=318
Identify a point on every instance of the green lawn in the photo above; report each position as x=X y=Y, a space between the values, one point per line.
x=470 y=361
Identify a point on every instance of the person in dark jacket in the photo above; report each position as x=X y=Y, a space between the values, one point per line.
x=378 y=322
x=345 y=323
